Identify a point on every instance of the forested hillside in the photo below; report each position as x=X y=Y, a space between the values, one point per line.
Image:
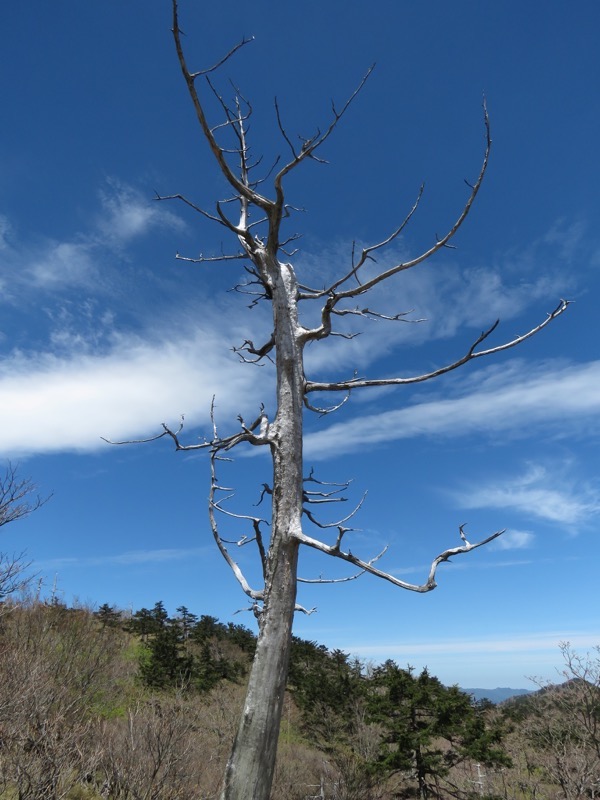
x=145 y=706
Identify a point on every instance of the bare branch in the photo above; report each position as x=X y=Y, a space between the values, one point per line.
x=189 y=203
x=256 y=522
x=260 y=352
x=225 y=58
x=244 y=288
x=218 y=152
x=18 y=496
x=239 y=230
x=472 y=353
x=213 y=505
x=347 y=578
x=307 y=611
x=341 y=335
x=340 y=522
x=367 y=251
x=166 y=432
x=217 y=443
x=338 y=487
x=211 y=259
x=375 y=315
x=13 y=575
x=324 y=497
x=332 y=580
x=440 y=242
x=314 y=142
x=282 y=129
x=367 y=566
x=324 y=411
x=307 y=151
x=266 y=490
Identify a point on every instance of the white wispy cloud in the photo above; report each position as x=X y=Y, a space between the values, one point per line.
x=527 y=642
x=44 y=263
x=81 y=378
x=537 y=493
x=56 y=403
x=558 y=397
x=89 y=381
x=481 y=660
x=514 y=540
x=56 y=264
x=129 y=558
x=127 y=214
x=67 y=402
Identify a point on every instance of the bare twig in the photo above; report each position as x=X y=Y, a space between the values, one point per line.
x=213 y=506
x=18 y=496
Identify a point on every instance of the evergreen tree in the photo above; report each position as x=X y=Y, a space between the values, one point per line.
x=164 y=664
x=142 y=623
x=428 y=727
x=146 y=622
x=242 y=637
x=108 y=615
x=208 y=627
x=159 y=614
x=186 y=620
x=327 y=689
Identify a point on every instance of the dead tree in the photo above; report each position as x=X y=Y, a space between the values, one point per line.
x=18 y=499
x=16 y=496
x=253 y=219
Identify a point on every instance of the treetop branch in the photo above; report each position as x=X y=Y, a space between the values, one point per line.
x=218 y=152
x=361 y=288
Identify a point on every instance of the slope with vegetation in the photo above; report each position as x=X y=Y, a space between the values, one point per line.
x=145 y=707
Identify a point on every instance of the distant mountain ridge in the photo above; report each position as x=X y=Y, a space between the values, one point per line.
x=498 y=695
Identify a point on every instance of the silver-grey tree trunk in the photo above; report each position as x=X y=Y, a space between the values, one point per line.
x=250 y=769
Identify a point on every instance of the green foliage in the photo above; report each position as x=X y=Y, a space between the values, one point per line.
x=428 y=728
x=164 y=664
x=109 y=616
x=188 y=654
x=319 y=676
x=146 y=622
x=326 y=687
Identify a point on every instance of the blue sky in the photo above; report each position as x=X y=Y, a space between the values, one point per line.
x=104 y=333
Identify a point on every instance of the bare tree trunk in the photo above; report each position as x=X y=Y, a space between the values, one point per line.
x=250 y=769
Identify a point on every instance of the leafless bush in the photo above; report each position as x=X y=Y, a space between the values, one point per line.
x=58 y=668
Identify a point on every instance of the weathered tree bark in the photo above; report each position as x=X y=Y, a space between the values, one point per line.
x=249 y=772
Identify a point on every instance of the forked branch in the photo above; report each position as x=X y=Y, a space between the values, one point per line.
x=368 y=566
x=218 y=152
x=361 y=288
